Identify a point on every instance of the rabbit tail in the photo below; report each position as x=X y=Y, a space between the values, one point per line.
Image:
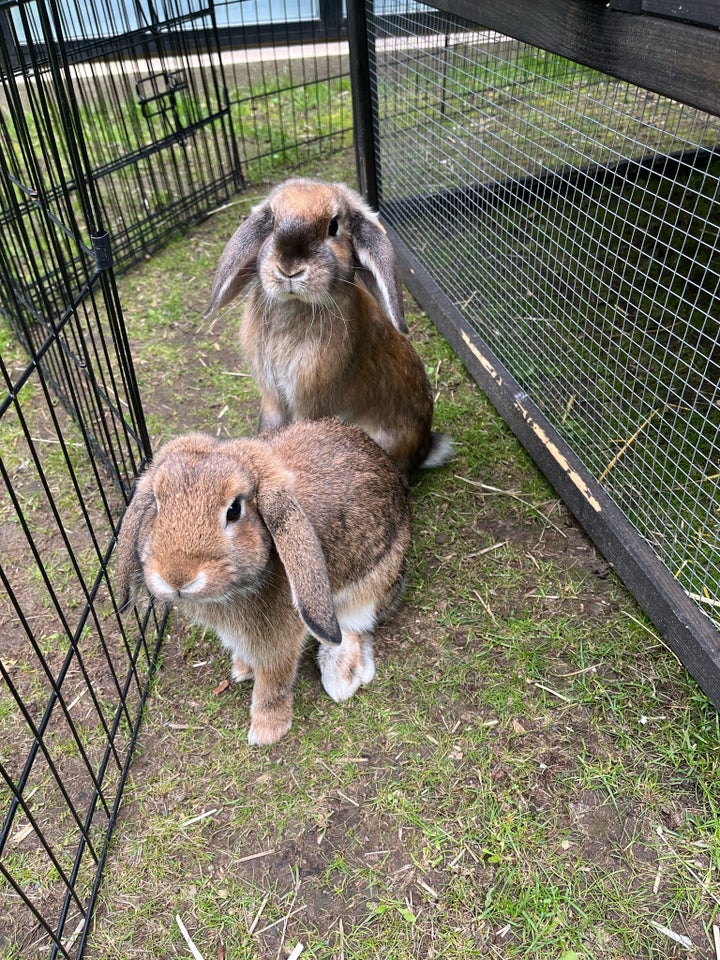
x=441 y=450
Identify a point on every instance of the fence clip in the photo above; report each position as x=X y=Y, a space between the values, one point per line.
x=102 y=250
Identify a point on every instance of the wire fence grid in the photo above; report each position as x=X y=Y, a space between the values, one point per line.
x=73 y=674
x=120 y=123
x=289 y=98
x=72 y=436
x=572 y=219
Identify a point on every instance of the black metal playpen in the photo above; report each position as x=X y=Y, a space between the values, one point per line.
x=552 y=183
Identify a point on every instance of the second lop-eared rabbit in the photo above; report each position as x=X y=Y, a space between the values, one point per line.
x=324 y=331
x=301 y=530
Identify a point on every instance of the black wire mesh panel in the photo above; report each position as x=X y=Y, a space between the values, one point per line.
x=290 y=97
x=571 y=219
x=73 y=676
x=149 y=94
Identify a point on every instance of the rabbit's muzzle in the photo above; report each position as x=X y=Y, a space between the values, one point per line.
x=182 y=585
x=291 y=279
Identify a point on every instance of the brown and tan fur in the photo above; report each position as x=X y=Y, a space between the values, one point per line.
x=319 y=546
x=324 y=331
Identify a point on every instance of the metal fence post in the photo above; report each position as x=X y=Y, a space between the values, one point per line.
x=361 y=49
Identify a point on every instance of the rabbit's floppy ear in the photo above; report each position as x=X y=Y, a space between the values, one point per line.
x=379 y=271
x=238 y=262
x=299 y=549
x=129 y=567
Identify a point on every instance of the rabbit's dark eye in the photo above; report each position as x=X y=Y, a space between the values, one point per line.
x=333 y=227
x=235 y=510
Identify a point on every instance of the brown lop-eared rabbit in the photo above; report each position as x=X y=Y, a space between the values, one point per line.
x=324 y=329
x=301 y=530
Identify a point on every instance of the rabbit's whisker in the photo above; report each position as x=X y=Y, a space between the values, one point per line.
x=338 y=314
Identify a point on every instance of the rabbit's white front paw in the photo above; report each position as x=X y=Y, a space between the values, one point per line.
x=265 y=730
x=241 y=671
x=348 y=666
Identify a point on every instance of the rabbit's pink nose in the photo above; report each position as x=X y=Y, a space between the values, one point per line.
x=291 y=272
x=175 y=586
